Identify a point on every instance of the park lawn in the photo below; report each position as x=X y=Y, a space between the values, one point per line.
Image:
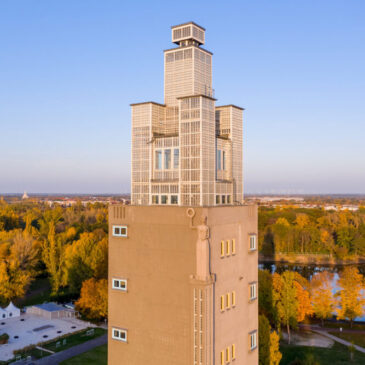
x=336 y=355
x=355 y=326
x=356 y=338
x=74 y=339
x=96 y=356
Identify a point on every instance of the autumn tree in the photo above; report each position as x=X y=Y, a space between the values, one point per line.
x=86 y=258
x=351 y=297
x=93 y=302
x=285 y=299
x=13 y=281
x=264 y=340
x=323 y=301
x=275 y=354
x=53 y=253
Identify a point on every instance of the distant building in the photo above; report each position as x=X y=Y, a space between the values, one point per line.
x=25 y=196
x=183 y=257
x=51 y=311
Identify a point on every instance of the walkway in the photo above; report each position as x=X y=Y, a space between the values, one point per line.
x=72 y=351
x=337 y=339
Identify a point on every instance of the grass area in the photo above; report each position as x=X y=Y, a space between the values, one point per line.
x=336 y=355
x=355 y=326
x=73 y=340
x=96 y=356
x=356 y=338
x=38 y=292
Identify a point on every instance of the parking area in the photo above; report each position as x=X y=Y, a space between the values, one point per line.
x=29 y=329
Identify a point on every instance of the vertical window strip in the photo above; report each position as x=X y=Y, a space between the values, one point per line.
x=228 y=248
x=233 y=247
x=233 y=299
x=233 y=355
x=222 y=303
x=228 y=300
x=222 y=248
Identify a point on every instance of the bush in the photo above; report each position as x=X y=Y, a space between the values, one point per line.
x=4 y=338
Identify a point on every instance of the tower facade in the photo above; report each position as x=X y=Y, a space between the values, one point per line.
x=183 y=257
x=187 y=151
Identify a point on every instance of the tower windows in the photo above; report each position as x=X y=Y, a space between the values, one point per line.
x=253 y=291
x=222 y=248
x=252 y=242
x=227 y=248
x=233 y=299
x=233 y=247
x=253 y=340
x=120 y=231
x=119 y=334
x=167 y=159
x=176 y=158
x=158 y=160
x=119 y=284
x=228 y=300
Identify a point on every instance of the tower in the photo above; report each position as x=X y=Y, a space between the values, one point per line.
x=183 y=257
x=187 y=151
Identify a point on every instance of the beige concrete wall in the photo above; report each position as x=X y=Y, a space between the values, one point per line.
x=158 y=258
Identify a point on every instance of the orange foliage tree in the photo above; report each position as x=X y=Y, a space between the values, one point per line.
x=93 y=302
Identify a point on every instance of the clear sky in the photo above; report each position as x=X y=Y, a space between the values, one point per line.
x=70 y=68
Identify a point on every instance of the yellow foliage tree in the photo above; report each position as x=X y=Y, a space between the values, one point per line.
x=351 y=295
x=275 y=354
x=323 y=302
x=93 y=302
x=13 y=281
x=304 y=303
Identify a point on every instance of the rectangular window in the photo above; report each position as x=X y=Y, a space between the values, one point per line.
x=176 y=158
x=120 y=284
x=223 y=160
x=118 y=334
x=228 y=249
x=233 y=247
x=219 y=159
x=222 y=248
x=217 y=199
x=228 y=358
x=228 y=199
x=252 y=242
x=222 y=302
x=174 y=199
x=233 y=299
x=233 y=354
x=158 y=160
x=223 y=199
x=167 y=159
x=253 y=291
x=253 y=340
x=154 y=199
x=228 y=300
x=120 y=231
x=222 y=357
x=163 y=199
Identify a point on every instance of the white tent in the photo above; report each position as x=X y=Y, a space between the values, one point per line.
x=3 y=313
x=12 y=310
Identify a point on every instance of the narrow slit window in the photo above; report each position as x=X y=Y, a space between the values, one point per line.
x=228 y=357
x=233 y=299
x=228 y=249
x=222 y=302
x=228 y=300
x=233 y=355
x=222 y=248
x=233 y=247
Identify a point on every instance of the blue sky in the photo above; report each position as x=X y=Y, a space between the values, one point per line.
x=69 y=70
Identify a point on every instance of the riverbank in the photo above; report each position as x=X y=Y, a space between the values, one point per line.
x=310 y=259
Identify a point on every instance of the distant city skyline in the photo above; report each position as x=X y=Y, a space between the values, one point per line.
x=69 y=71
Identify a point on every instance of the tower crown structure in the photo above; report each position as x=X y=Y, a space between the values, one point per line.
x=188 y=33
x=187 y=151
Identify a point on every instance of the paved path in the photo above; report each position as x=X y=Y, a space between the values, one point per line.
x=72 y=351
x=337 y=339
